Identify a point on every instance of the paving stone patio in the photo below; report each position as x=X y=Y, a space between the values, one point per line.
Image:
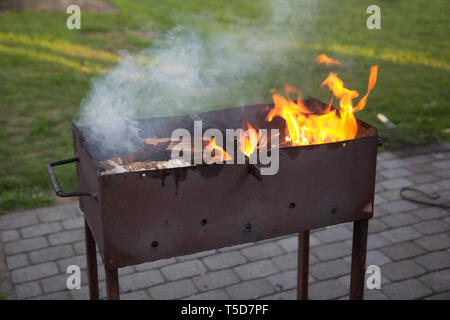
x=410 y=242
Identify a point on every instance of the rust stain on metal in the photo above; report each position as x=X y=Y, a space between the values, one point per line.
x=368 y=208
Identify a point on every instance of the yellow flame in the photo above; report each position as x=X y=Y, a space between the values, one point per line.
x=248 y=142
x=304 y=126
x=218 y=153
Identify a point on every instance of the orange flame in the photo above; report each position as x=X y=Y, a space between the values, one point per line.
x=304 y=127
x=372 y=81
x=323 y=58
x=218 y=153
x=248 y=141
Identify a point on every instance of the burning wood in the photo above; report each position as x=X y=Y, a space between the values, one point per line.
x=155 y=153
x=113 y=167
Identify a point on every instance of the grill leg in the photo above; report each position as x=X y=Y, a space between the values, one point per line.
x=303 y=265
x=112 y=284
x=357 y=281
x=91 y=262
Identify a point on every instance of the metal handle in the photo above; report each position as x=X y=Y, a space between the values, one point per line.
x=55 y=182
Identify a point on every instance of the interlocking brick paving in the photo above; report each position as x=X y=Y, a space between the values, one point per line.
x=409 y=241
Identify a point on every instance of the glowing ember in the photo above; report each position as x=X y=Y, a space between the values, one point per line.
x=323 y=58
x=305 y=127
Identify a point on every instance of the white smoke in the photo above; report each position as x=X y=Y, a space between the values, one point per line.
x=185 y=72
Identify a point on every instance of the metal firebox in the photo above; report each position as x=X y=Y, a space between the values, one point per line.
x=142 y=216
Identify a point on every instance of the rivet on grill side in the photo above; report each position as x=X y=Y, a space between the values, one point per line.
x=248 y=226
x=204 y=222
x=333 y=211
x=292 y=205
x=154 y=244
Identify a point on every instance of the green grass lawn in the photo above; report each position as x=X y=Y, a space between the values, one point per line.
x=45 y=70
